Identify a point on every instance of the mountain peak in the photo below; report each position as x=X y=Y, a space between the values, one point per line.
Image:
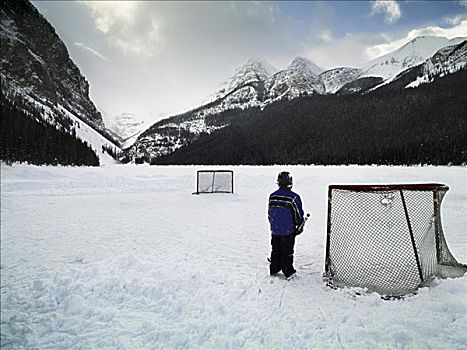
x=413 y=53
x=259 y=66
x=305 y=65
x=425 y=43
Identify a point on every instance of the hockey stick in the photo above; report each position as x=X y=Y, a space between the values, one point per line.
x=300 y=228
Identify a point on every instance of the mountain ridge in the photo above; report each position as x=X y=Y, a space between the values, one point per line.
x=384 y=127
x=408 y=55
x=296 y=80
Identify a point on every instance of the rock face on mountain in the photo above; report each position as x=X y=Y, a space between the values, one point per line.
x=258 y=83
x=247 y=83
x=446 y=61
x=451 y=58
x=334 y=79
x=36 y=67
x=300 y=77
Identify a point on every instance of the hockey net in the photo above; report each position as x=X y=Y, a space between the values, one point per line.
x=387 y=238
x=214 y=181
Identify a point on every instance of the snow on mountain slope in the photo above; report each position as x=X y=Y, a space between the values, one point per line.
x=92 y=137
x=411 y=54
x=126 y=126
x=245 y=89
x=300 y=77
x=252 y=72
x=304 y=66
x=255 y=84
x=35 y=58
x=36 y=67
x=83 y=130
x=258 y=83
x=448 y=60
x=334 y=79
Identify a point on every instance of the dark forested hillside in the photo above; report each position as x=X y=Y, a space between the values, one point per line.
x=25 y=137
x=426 y=125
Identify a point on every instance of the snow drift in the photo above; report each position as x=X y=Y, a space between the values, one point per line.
x=126 y=257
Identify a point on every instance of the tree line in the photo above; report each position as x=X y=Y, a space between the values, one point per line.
x=26 y=137
x=391 y=126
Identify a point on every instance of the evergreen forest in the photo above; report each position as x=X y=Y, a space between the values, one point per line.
x=26 y=137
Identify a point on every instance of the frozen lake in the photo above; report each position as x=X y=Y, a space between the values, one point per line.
x=126 y=257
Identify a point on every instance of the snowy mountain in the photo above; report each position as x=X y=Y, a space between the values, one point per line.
x=126 y=125
x=257 y=84
x=37 y=69
x=247 y=83
x=300 y=77
x=448 y=60
x=410 y=55
x=305 y=67
x=334 y=79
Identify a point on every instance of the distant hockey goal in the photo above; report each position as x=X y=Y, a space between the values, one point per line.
x=214 y=181
x=387 y=238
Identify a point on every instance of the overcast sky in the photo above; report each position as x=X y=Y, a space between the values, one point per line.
x=160 y=58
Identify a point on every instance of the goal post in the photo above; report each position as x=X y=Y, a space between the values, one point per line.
x=214 y=181
x=387 y=238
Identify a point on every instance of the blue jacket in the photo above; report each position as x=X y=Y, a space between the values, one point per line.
x=285 y=212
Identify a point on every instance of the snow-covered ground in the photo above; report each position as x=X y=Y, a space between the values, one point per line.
x=125 y=257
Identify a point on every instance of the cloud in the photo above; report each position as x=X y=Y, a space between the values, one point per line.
x=454 y=20
x=325 y=36
x=355 y=49
x=463 y=3
x=177 y=53
x=390 y=45
x=127 y=25
x=389 y=8
x=108 y=14
x=154 y=29
x=89 y=49
x=345 y=51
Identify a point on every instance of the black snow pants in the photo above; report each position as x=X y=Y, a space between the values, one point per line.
x=282 y=255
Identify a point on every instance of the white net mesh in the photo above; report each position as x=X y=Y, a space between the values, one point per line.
x=215 y=181
x=387 y=238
